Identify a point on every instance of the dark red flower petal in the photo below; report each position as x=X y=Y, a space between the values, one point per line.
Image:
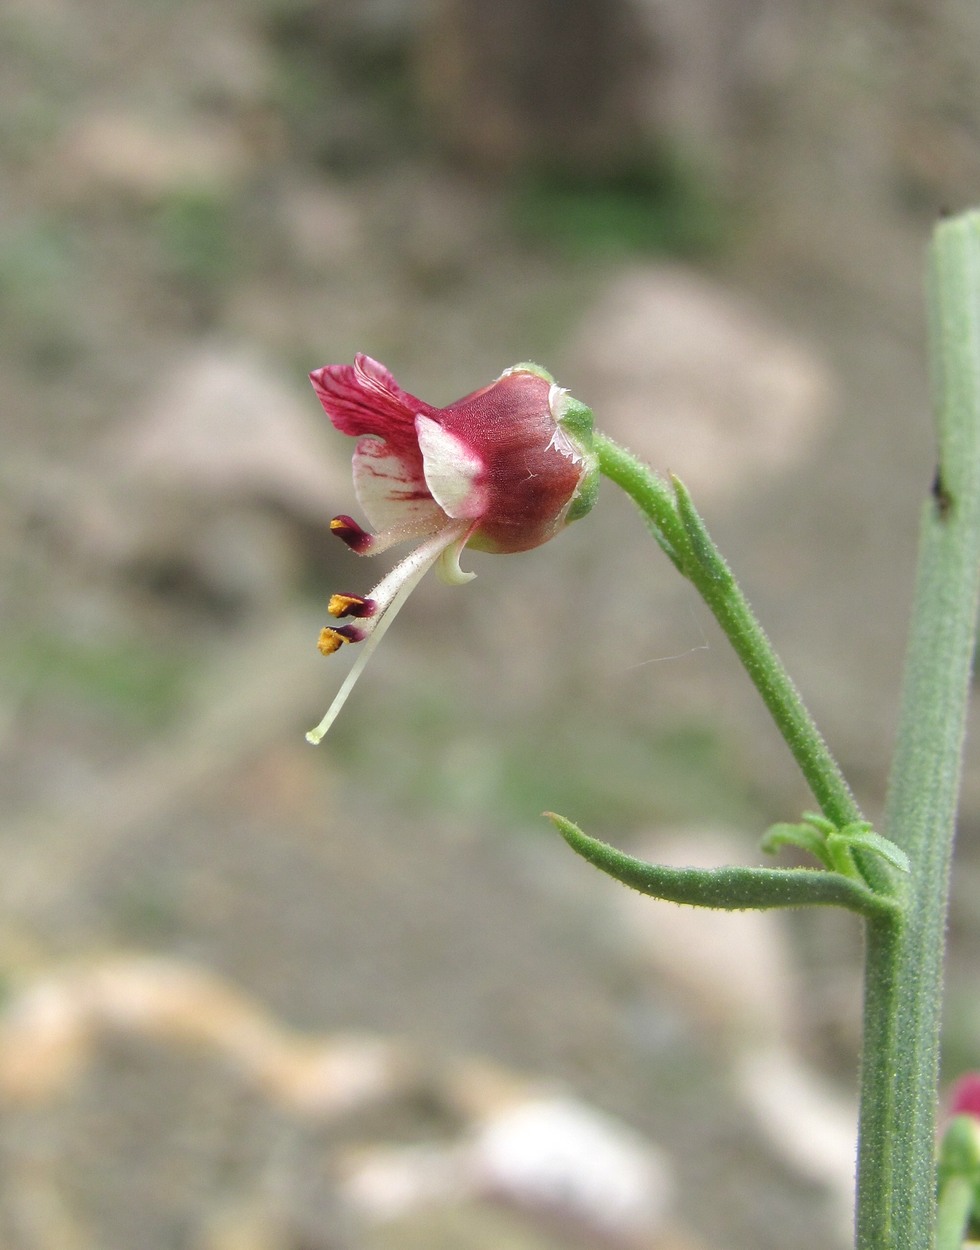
x=364 y=398
x=531 y=474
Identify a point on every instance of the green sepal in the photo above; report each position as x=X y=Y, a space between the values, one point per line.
x=583 y=501
x=577 y=420
x=861 y=837
x=528 y=366
x=802 y=836
x=835 y=847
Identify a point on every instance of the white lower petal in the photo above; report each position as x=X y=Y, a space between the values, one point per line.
x=391 y=495
x=452 y=470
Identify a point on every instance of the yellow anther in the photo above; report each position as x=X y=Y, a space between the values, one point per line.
x=340 y=605
x=330 y=640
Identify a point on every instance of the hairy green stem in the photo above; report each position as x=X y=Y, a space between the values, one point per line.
x=904 y=963
x=681 y=532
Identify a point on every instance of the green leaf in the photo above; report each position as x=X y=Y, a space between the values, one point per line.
x=732 y=888
x=700 y=543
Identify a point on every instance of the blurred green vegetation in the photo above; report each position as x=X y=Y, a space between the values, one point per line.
x=614 y=774
x=38 y=290
x=347 y=95
x=126 y=677
x=148 y=910
x=350 y=100
x=961 y=1025
x=626 y=775
x=35 y=261
x=660 y=202
x=196 y=234
x=41 y=82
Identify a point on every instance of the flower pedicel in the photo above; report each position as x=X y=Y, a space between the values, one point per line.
x=501 y=470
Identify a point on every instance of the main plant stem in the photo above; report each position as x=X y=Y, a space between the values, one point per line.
x=904 y=961
x=896 y=1207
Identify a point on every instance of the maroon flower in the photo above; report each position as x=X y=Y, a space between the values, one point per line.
x=964 y=1098
x=501 y=470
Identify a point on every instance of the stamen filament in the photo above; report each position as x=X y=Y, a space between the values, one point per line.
x=396 y=587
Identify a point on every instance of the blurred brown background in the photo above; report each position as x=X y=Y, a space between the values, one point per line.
x=265 y=997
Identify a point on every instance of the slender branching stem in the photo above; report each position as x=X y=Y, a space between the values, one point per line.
x=683 y=535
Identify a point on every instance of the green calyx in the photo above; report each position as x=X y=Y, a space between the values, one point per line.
x=576 y=419
x=576 y=422
x=584 y=498
x=528 y=366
